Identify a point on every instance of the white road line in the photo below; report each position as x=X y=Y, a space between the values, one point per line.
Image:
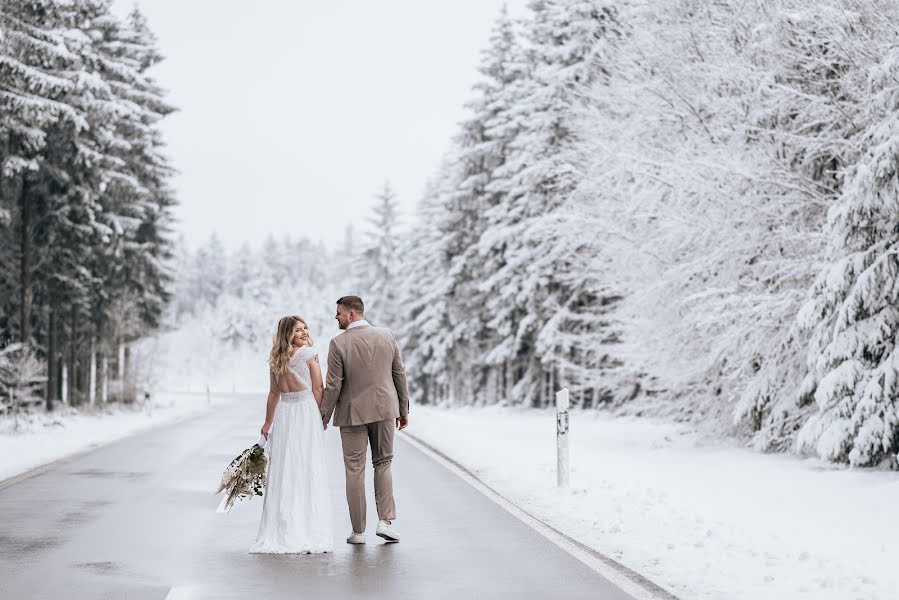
x=182 y=592
x=629 y=581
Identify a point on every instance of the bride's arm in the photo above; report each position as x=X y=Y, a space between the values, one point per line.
x=274 y=395
x=318 y=388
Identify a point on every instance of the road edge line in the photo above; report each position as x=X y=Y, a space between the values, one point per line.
x=628 y=580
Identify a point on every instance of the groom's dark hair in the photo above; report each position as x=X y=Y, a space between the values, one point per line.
x=353 y=303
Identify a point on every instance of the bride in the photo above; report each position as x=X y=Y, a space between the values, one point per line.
x=296 y=512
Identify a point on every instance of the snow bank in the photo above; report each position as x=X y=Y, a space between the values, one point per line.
x=702 y=519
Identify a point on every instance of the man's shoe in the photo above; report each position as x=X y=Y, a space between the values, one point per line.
x=356 y=538
x=385 y=530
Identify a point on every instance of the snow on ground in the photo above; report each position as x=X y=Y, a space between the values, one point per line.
x=702 y=519
x=45 y=437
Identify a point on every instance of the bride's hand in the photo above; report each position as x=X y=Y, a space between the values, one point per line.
x=266 y=427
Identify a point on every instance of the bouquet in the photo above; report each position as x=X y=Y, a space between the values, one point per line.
x=244 y=477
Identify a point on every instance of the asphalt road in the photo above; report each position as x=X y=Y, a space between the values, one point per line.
x=136 y=519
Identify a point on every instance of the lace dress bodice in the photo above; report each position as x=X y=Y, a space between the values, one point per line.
x=297 y=365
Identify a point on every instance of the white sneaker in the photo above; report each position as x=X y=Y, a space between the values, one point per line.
x=356 y=538
x=385 y=530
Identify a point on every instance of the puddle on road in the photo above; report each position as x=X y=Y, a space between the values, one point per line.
x=14 y=547
x=75 y=518
x=104 y=474
x=87 y=512
x=100 y=568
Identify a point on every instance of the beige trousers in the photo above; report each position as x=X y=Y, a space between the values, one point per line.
x=355 y=440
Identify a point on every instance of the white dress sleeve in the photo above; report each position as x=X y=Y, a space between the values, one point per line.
x=306 y=353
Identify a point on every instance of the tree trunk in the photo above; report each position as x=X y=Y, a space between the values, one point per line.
x=541 y=400
x=27 y=293
x=52 y=375
x=92 y=381
x=104 y=376
x=507 y=377
x=555 y=384
x=73 y=359
x=121 y=362
x=130 y=390
x=64 y=378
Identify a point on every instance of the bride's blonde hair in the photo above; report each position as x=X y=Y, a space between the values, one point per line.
x=280 y=354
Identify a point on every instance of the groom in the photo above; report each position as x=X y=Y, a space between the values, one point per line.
x=367 y=394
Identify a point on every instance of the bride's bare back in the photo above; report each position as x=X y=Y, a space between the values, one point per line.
x=302 y=373
x=288 y=381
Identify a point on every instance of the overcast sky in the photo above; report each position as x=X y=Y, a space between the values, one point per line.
x=294 y=113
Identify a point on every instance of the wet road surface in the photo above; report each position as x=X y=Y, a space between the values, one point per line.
x=136 y=519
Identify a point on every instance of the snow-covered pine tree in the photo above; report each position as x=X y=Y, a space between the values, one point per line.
x=538 y=178
x=124 y=176
x=243 y=262
x=425 y=330
x=812 y=62
x=306 y=257
x=21 y=376
x=379 y=264
x=57 y=198
x=37 y=69
x=853 y=357
x=183 y=303
x=137 y=198
x=465 y=189
x=210 y=269
x=348 y=261
x=83 y=167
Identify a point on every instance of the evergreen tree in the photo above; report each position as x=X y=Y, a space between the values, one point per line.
x=428 y=334
x=381 y=259
x=853 y=357
x=21 y=375
x=467 y=190
x=538 y=178
x=210 y=269
x=243 y=262
x=83 y=168
x=38 y=71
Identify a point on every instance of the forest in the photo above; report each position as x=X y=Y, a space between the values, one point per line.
x=682 y=209
x=85 y=200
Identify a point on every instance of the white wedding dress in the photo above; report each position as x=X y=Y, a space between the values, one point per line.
x=296 y=511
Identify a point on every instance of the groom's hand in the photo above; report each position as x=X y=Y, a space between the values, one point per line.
x=402 y=422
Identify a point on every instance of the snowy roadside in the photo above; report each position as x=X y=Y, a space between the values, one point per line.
x=43 y=438
x=702 y=519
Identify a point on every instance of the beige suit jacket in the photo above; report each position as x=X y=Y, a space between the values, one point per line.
x=366 y=379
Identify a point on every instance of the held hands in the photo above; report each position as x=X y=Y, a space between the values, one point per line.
x=402 y=422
